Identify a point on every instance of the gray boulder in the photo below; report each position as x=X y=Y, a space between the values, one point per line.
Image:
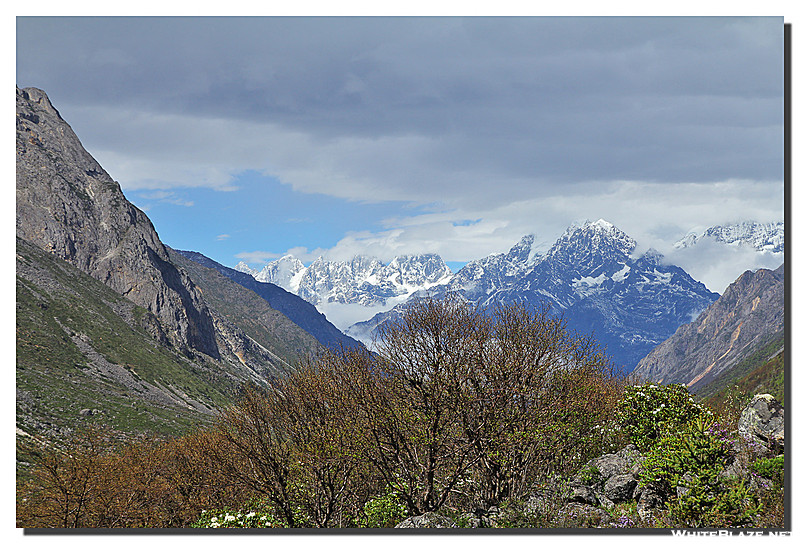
x=736 y=469
x=608 y=479
x=428 y=520
x=762 y=420
x=650 y=499
x=483 y=517
x=619 y=488
x=544 y=500
x=626 y=460
x=583 y=494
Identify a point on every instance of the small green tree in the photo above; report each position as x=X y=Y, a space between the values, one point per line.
x=687 y=464
x=650 y=412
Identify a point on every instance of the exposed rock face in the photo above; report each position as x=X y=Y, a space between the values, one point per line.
x=627 y=459
x=583 y=494
x=620 y=487
x=69 y=206
x=428 y=520
x=751 y=309
x=106 y=312
x=762 y=420
x=649 y=500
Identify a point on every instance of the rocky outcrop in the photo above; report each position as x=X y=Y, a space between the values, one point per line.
x=609 y=479
x=762 y=420
x=70 y=207
x=750 y=311
x=428 y=520
x=92 y=275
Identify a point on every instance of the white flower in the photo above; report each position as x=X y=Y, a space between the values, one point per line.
x=214 y=519
x=250 y=515
x=214 y=525
x=229 y=517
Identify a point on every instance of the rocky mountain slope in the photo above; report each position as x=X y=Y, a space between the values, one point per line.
x=748 y=313
x=592 y=276
x=302 y=313
x=69 y=208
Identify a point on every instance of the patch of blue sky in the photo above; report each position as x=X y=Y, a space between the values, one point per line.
x=261 y=215
x=455 y=266
x=466 y=222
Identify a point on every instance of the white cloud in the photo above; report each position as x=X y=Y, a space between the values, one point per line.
x=222 y=237
x=655 y=215
x=718 y=265
x=344 y=315
x=509 y=126
x=256 y=257
x=166 y=197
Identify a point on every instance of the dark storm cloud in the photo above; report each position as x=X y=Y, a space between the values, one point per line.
x=548 y=100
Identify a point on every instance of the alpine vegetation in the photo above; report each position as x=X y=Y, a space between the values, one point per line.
x=464 y=418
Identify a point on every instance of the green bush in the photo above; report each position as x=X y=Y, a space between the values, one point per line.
x=589 y=474
x=649 y=412
x=386 y=510
x=769 y=468
x=687 y=465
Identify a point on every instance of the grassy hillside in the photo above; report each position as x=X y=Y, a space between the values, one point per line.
x=82 y=346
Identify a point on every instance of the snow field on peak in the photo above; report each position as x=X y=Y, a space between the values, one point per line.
x=759 y=236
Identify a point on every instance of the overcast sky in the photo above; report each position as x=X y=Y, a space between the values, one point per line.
x=249 y=138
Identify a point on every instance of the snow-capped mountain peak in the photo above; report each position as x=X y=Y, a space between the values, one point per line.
x=763 y=237
x=652 y=256
x=590 y=276
x=361 y=280
x=586 y=247
x=286 y=272
x=243 y=267
x=525 y=251
x=601 y=224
